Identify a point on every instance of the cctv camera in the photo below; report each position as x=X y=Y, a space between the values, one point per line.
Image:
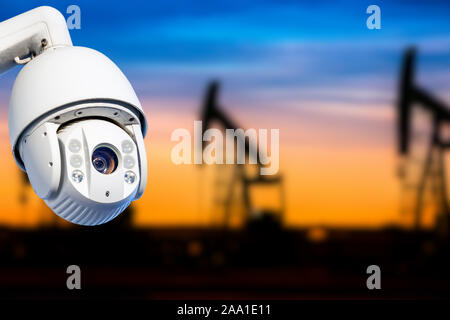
x=76 y=125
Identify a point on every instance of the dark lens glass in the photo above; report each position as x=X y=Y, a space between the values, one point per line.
x=104 y=160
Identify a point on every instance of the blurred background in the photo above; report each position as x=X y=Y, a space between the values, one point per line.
x=348 y=193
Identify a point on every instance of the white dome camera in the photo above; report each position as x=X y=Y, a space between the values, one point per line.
x=75 y=123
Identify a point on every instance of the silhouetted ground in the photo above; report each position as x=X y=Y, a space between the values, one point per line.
x=256 y=262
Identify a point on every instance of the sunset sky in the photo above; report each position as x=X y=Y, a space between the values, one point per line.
x=314 y=71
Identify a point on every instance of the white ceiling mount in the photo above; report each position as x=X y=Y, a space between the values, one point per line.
x=28 y=34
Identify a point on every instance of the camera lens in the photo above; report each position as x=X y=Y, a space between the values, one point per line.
x=104 y=160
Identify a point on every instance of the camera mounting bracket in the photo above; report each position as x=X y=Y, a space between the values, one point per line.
x=29 y=34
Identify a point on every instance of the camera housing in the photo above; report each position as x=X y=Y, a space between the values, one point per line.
x=76 y=125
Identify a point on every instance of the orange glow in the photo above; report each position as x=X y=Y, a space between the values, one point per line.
x=329 y=179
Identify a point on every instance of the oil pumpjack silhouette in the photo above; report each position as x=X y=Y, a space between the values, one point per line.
x=433 y=170
x=211 y=113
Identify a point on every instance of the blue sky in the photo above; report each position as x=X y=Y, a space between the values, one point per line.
x=292 y=49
